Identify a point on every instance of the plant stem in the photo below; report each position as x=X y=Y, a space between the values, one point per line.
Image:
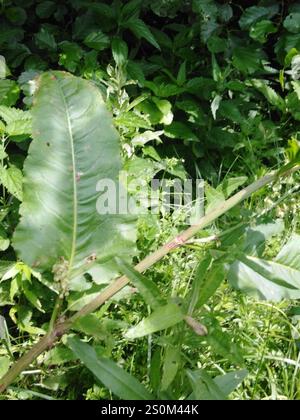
x=56 y=312
x=61 y=328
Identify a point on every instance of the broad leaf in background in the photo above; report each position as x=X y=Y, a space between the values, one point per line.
x=74 y=147
x=270 y=280
x=109 y=373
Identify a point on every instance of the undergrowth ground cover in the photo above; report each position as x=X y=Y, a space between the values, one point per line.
x=169 y=90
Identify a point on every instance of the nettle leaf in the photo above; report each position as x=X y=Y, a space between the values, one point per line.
x=45 y=9
x=97 y=40
x=16 y=15
x=70 y=55
x=215 y=104
x=254 y=13
x=206 y=7
x=247 y=59
x=10 y=115
x=165 y=107
x=215 y=44
x=131 y=8
x=270 y=280
x=12 y=180
x=147 y=136
x=9 y=92
x=4 y=241
x=74 y=147
x=293 y=105
x=141 y=30
x=119 y=51
x=225 y=12
x=44 y=39
x=230 y=109
x=109 y=373
x=19 y=128
x=179 y=130
x=18 y=122
x=269 y=93
x=292 y=23
x=132 y=120
x=208 y=28
x=295 y=71
x=160 y=87
x=260 y=31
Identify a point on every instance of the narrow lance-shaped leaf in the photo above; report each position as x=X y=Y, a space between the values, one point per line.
x=74 y=147
x=109 y=373
x=146 y=287
x=211 y=283
x=171 y=366
x=204 y=388
x=162 y=318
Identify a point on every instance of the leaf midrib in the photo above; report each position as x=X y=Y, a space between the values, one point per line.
x=75 y=201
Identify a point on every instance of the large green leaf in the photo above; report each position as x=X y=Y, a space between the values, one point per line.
x=74 y=147
x=271 y=280
x=109 y=373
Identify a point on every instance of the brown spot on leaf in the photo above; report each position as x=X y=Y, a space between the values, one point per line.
x=91 y=258
x=78 y=176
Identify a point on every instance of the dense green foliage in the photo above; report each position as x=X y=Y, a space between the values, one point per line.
x=197 y=89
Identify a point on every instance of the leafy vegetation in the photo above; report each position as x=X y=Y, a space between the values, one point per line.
x=173 y=90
